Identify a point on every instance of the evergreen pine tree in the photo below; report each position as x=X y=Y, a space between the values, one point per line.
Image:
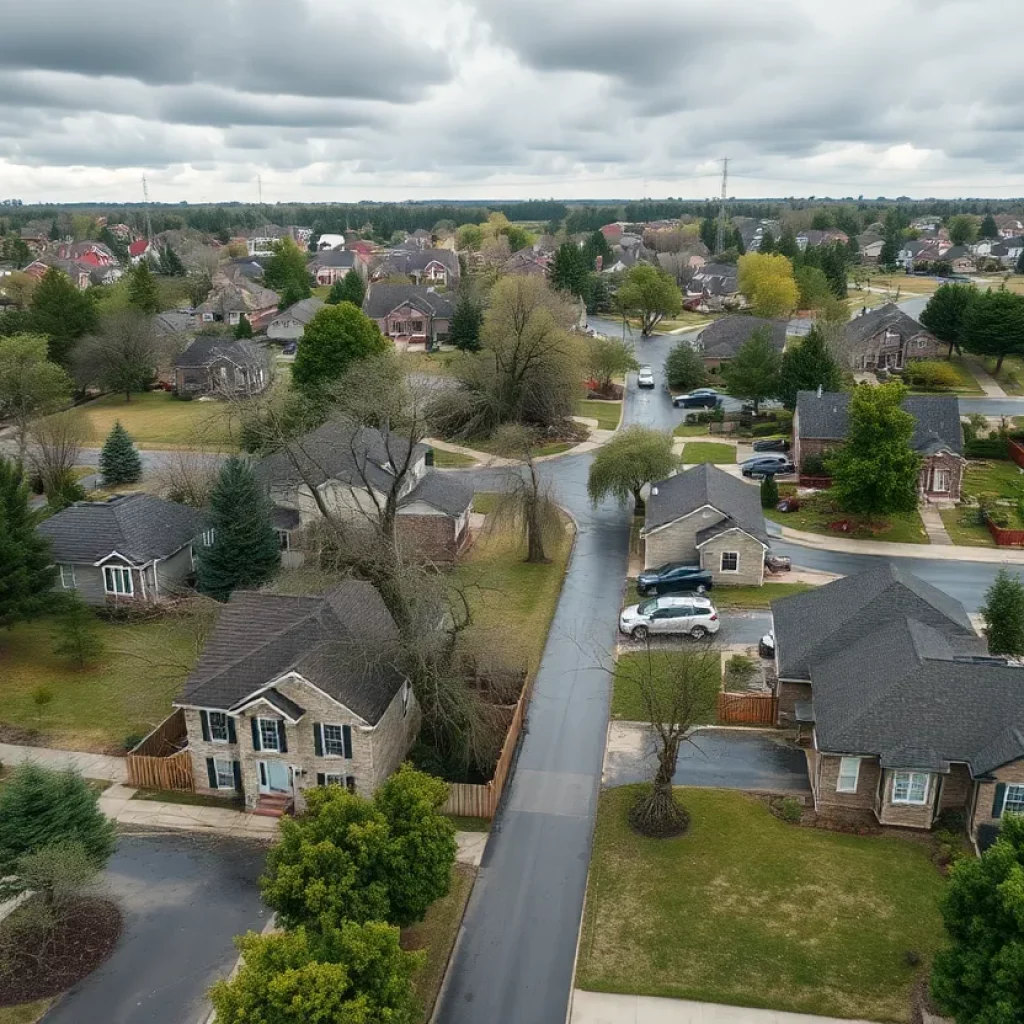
x=467 y=319
x=988 y=227
x=76 y=634
x=27 y=573
x=353 y=289
x=63 y=313
x=245 y=552
x=143 y=293
x=119 y=459
x=1003 y=613
x=769 y=492
x=244 y=328
x=170 y=263
x=54 y=231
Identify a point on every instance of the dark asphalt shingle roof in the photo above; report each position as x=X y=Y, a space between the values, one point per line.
x=140 y=527
x=887 y=317
x=936 y=419
x=381 y=299
x=334 y=258
x=283 y=704
x=723 y=338
x=210 y=348
x=702 y=485
x=443 y=492
x=344 y=642
x=304 y=310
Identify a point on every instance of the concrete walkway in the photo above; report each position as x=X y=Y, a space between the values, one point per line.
x=606 y=1008
x=934 y=526
x=91 y=766
x=985 y=380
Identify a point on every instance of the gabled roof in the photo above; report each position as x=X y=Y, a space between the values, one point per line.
x=304 y=310
x=381 y=299
x=702 y=485
x=209 y=349
x=139 y=527
x=409 y=261
x=335 y=258
x=442 y=491
x=138 y=247
x=887 y=317
x=238 y=295
x=173 y=322
x=936 y=419
x=344 y=642
x=723 y=338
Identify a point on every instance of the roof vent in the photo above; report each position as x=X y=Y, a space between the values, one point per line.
x=980 y=659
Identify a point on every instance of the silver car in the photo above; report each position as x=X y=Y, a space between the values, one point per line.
x=673 y=614
x=645 y=377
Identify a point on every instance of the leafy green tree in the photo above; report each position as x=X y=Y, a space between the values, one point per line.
x=608 y=358
x=335 y=338
x=993 y=325
x=787 y=244
x=821 y=220
x=286 y=271
x=754 y=371
x=170 y=263
x=988 y=227
x=349 y=858
x=634 y=457
x=122 y=357
x=597 y=245
x=120 y=462
x=875 y=472
x=962 y=228
x=684 y=367
x=27 y=572
x=243 y=329
x=769 y=492
x=570 y=271
x=76 y=634
x=62 y=313
x=1003 y=614
x=30 y=385
x=469 y=237
x=352 y=974
x=808 y=366
x=467 y=321
x=945 y=312
x=768 y=282
x=976 y=979
x=651 y=294
x=813 y=285
x=349 y=288
x=143 y=291
x=245 y=552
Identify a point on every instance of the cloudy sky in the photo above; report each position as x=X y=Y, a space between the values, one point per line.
x=392 y=99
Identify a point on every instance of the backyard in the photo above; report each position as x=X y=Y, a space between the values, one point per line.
x=606 y=413
x=816 y=513
x=971 y=534
x=998 y=477
x=747 y=910
x=627 y=704
x=708 y=451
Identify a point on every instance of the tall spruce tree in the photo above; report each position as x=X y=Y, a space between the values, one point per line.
x=1003 y=614
x=62 y=313
x=244 y=328
x=245 y=551
x=349 y=288
x=988 y=227
x=143 y=292
x=467 y=319
x=808 y=366
x=119 y=459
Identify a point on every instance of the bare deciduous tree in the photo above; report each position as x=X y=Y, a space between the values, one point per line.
x=123 y=356
x=186 y=476
x=55 y=444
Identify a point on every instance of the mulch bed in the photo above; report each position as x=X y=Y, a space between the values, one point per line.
x=80 y=943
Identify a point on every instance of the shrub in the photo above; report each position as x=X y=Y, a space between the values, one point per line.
x=931 y=375
x=739 y=668
x=813 y=465
x=790 y=809
x=769 y=492
x=987 y=448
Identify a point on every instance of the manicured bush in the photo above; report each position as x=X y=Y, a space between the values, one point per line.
x=987 y=448
x=769 y=492
x=931 y=375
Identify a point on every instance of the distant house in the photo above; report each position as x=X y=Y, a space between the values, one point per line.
x=721 y=340
x=821 y=422
x=225 y=367
x=419 y=239
x=886 y=338
x=960 y=259
x=410 y=314
x=289 y=324
x=437 y=267
x=329 y=241
x=80 y=273
x=130 y=548
x=715 y=286
x=870 y=246
x=249 y=267
x=331 y=265
x=138 y=249
x=96 y=254
x=231 y=298
x=710 y=518
x=811 y=238
x=527 y=262
x=752 y=232
x=262 y=241
x=612 y=232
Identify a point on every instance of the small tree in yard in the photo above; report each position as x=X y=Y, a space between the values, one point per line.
x=30 y=385
x=1003 y=614
x=467 y=321
x=754 y=372
x=976 y=979
x=334 y=339
x=808 y=366
x=244 y=328
x=245 y=552
x=651 y=294
x=349 y=288
x=684 y=368
x=76 y=634
x=120 y=462
x=632 y=458
x=606 y=359
x=875 y=472
x=123 y=356
x=769 y=492
x=143 y=292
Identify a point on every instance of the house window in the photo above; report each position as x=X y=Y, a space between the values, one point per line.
x=331 y=779
x=207 y=318
x=207 y=538
x=225 y=773
x=268 y=734
x=67 y=577
x=1014 y=802
x=730 y=561
x=218 y=727
x=118 y=580
x=283 y=540
x=417 y=327
x=849 y=773
x=909 y=788
x=334 y=742
x=940 y=481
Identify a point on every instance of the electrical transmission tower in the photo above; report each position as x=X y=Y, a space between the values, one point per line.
x=149 y=222
x=720 y=237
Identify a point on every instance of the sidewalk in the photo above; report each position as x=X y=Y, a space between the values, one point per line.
x=934 y=526
x=92 y=766
x=985 y=380
x=596 y=439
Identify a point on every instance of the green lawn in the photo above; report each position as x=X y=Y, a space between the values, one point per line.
x=814 y=517
x=24 y=1013
x=993 y=476
x=747 y=910
x=724 y=596
x=452 y=460
x=626 y=702
x=321 y=292
x=433 y=364
x=606 y=413
x=685 y=429
x=485 y=502
x=1010 y=375
x=971 y=535
x=464 y=824
x=555 y=448
x=708 y=451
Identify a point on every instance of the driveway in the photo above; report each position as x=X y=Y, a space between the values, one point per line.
x=183 y=899
x=719 y=758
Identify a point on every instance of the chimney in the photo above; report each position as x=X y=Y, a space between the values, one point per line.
x=819 y=391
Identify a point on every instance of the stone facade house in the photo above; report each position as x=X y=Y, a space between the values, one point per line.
x=289 y=324
x=295 y=692
x=436 y=267
x=127 y=549
x=233 y=297
x=353 y=470
x=222 y=366
x=907 y=715
x=708 y=517
x=331 y=265
x=821 y=421
x=410 y=314
x=721 y=340
x=886 y=338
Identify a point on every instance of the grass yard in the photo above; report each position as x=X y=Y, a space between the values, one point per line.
x=747 y=910
x=464 y=824
x=904 y=528
x=24 y=1013
x=960 y=533
x=724 y=596
x=708 y=451
x=607 y=414
x=966 y=384
x=485 y=502
x=626 y=702
x=999 y=477
x=432 y=364
x=1011 y=374
x=555 y=448
x=452 y=460
x=685 y=429
x=321 y=292
x=127 y=693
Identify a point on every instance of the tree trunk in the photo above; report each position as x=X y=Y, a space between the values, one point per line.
x=639 y=506
x=656 y=812
x=999 y=362
x=127 y=396
x=534 y=542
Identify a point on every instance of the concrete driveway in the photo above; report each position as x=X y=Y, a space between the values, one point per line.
x=720 y=758
x=183 y=898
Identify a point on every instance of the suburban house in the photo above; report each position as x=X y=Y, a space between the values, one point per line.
x=752 y=231
x=410 y=314
x=886 y=338
x=419 y=239
x=960 y=259
x=289 y=324
x=438 y=267
x=351 y=469
x=127 y=549
x=295 y=692
x=331 y=265
x=821 y=421
x=908 y=717
x=96 y=254
x=722 y=339
x=138 y=249
x=810 y=238
x=714 y=286
x=527 y=262
x=708 y=517
x=80 y=273
x=226 y=367
x=870 y=246
x=233 y=297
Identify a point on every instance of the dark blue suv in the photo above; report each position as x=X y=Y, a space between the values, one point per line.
x=674 y=578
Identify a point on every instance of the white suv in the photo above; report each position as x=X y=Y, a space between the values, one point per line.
x=671 y=613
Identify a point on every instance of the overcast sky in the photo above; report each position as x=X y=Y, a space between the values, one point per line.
x=393 y=99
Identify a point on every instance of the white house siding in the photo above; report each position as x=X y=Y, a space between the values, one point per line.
x=285 y=329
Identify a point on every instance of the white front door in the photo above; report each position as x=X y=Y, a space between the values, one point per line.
x=275 y=777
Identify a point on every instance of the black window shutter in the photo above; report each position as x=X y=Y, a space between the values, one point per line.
x=232 y=735
x=211 y=772
x=346 y=739
x=282 y=740
x=318 y=740
x=237 y=768
x=999 y=800
x=350 y=783
x=320 y=779
x=255 y=723
x=204 y=721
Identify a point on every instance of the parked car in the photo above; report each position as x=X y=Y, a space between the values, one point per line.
x=788 y=505
x=777 y=563
x=702 y=398
x=290 y=348
x=767 y=466
x=673 y=578
x=766 y=647
x=695 y=617
x=771 y=444
x=645 y=377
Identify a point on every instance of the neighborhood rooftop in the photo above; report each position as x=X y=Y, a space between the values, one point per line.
x=702 y=485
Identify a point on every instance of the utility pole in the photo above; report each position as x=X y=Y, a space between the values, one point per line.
x=720 y=237
x=149 y=222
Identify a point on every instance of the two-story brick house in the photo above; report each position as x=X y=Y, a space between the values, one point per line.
x=886 y=339
x=295 y=692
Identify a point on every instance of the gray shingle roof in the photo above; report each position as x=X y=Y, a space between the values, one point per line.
x=723 y=338
x=140 y=527
x=304 y=310
x=887 y=317
x=443 y=492
x=381 y=299
x=209 y=349
x=334 y=258
x=936 y=419
x=344 y=642
x=706 y=484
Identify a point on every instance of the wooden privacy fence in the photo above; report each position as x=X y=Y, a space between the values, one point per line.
x=1016 y=452
x=1003 y=537
x=161 y=761
x=747 y=708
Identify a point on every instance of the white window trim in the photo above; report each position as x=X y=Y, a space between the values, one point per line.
x=938 y=473
x=207 y=538
x=217 y=763
x=840 y=788
x=721 y=561
x=334 y=778
x=107 y=580
x=227 y=731
x=1007 y=809
x=64 y=571
x=276 y=748
x=910 y=776
x=341 y=739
